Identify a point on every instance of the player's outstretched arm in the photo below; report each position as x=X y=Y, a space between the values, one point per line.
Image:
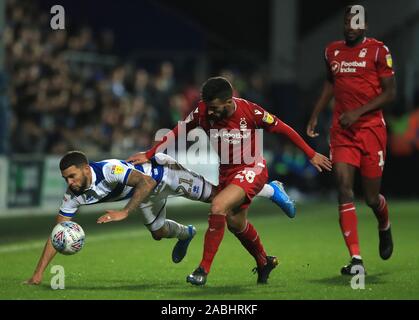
x=188 y=124
x=47 y=255
x=143 y=185
x=324 y=99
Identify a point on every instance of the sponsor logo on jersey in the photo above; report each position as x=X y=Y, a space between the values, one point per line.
x=347 y=66
x=257 y=112
x=389 y=60
x=117 y=169
x=231 y=137
x=268 y=118
x=335 y=67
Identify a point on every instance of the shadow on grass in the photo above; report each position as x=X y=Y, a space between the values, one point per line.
x=175 y=288
x=346 y=280
x=178 y=289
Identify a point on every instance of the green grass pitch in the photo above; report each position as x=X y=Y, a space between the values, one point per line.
x=122 y=261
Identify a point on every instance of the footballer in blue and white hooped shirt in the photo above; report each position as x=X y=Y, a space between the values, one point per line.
x=147 y=187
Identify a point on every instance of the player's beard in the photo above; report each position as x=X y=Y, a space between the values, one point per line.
x=80 y=190
x=351 y=41
x=222 y=115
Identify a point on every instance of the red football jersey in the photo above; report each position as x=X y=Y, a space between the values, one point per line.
x=238 y=129
x=356 y=75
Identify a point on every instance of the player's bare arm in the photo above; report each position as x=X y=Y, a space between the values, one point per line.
x=143 y=185
x=387 y=95
x=47 y=255
x=324 y=99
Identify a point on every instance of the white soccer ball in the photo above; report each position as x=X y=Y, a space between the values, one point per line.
x=67 y=237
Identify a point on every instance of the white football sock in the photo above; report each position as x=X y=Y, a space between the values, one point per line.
x=266 y=192
x=176 y=230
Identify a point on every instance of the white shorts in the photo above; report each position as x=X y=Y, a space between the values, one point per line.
x=177 y=181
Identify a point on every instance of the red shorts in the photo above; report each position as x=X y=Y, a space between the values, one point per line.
x=250 y=179
x=364 y=148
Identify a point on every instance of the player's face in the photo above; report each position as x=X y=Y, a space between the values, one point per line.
x=76 y=178
x=352 y=36
x=219 y=109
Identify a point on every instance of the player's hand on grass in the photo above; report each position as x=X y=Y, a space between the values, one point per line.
x=311 y=126
x=35 y=280
x=321 y=162
x=112 y=215
x=138 y=158
x=347 y=119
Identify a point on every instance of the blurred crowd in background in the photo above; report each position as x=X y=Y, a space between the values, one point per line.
x=68 y=89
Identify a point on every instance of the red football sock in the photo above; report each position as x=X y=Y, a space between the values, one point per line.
x=348 y=225
x=250 y=239
x=213 y=237
x=382 y=214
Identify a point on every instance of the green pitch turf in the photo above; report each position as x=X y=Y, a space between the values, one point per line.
x=122 y=261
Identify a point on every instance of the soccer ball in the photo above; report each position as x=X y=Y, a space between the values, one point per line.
x=67 y=237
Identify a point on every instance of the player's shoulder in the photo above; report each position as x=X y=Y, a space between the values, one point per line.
x=243 y=103
x=105 y=168
x=372 y=42
x=335 y=45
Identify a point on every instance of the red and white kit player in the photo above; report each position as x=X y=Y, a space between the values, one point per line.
x=360 y=77
x=231 y=121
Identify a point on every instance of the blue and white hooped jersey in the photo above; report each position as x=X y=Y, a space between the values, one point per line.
x=109 y=183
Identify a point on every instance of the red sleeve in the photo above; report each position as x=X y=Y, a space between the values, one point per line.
x=384 y=62
x=272 y=124
x=190 y=123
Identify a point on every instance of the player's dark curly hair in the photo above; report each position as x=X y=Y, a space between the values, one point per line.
x=216 y=88
x=73 y=158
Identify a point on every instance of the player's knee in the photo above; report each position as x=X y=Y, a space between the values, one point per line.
x=345 y=194
x=218 y=208
x=372 y=201
x=235 y=223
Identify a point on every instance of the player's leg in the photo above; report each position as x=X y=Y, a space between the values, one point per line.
x=224 y=202
x=248 y=236
x=344 y=174
x=187 y=183
x=154 y=214
x=378 y=204
x=372 y=163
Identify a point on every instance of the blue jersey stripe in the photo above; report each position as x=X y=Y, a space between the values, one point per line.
x=156 y=170
x=67 y=214
x=126 y=176
x=98 y=169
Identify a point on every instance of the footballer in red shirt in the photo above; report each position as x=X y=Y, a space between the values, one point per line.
x=360 y=77
x=231 y=125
